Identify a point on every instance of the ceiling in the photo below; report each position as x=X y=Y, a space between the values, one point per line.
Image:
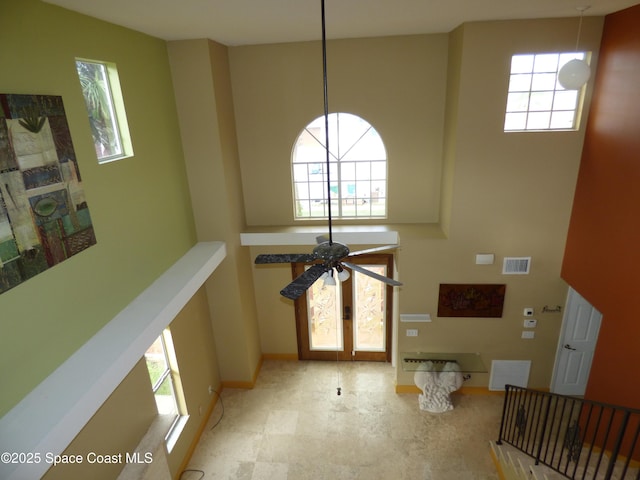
x=247 y=22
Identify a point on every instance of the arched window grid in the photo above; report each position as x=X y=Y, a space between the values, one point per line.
x=358 y=170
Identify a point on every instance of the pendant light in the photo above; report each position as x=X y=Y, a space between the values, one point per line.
x=575 y=73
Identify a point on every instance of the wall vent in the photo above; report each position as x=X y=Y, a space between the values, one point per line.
x=516 y=265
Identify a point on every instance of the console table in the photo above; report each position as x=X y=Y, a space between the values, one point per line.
x=438 y=375
x=434 y=362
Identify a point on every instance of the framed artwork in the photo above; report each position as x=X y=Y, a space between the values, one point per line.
x=44 y=218
x=471 y=300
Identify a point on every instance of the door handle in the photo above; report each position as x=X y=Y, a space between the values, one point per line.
x=347 y=313
x=569 y=347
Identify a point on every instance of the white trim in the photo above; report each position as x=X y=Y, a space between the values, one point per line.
x=415 y=317
x=306 y=236
x=174 y=433
x=50 y=417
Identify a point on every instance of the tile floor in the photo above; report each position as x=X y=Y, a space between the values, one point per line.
x=294 y=426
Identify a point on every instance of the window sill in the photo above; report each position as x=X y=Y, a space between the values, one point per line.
x=306 y=235
x=348 y=234
x=175 y=431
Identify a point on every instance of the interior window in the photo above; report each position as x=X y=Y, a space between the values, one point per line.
x=357 y=170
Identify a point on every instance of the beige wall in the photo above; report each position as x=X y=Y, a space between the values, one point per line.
x=507 y=194
x=396 y=83
x=199 y=369
x=121 y=422
x=116 y=427
x=203 y=94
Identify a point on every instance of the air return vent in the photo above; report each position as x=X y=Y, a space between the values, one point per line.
x=516 y=265
x=512 y=372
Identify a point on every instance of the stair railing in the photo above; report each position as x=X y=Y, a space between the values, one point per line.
x=578 y=438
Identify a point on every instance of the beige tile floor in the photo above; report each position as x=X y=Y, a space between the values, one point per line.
x=294 y=426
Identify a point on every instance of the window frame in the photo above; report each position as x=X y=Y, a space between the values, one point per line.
x=117 y=118
x=543 y=96
x=172 y=373
x=344 y=188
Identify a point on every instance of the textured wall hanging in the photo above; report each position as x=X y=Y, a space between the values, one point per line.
x=44 y=218
x=465 y=300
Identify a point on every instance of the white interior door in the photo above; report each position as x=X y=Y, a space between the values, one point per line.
x=576 y=346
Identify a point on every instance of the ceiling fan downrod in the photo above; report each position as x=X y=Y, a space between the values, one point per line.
x=326 y=117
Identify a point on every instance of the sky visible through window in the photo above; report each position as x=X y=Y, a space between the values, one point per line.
x=536 y=101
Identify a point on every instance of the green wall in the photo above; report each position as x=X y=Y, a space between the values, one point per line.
x=140 y=206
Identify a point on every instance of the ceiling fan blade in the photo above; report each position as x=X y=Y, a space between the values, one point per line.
x=373 y=250
x=285 y=258
x=321 y=239
x=364 y=271
x=303 y=282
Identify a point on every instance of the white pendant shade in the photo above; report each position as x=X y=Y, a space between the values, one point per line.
x=343 y=275
x=574 y=74
x=328 y=278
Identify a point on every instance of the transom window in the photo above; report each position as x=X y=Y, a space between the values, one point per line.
x=536 y=101
x=357 y=170
x=105 y=107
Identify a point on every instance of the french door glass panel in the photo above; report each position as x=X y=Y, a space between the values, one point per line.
x=370 y=312
x=324 y=311
x=325 y=307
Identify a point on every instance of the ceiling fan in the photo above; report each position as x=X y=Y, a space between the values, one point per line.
x=328 y=255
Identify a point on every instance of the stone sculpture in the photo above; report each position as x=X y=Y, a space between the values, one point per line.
x=437 y=386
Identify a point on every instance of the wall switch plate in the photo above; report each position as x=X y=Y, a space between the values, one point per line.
x=485 y=259
x=530 y=323
x=528 y=334
x=528 y=311
x=412 y=332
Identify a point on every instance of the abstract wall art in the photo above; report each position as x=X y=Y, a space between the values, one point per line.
x=44 y=218
x=471 y=300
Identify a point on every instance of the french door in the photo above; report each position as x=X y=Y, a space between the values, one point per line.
x=350 y=320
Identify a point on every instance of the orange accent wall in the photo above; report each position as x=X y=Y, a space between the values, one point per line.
x=602 y=257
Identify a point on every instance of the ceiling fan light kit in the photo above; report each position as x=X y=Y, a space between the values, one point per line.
x=327 y=254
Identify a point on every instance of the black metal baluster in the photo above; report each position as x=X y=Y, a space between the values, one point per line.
x=544 y=427
x=634 y=441
x=534 y=424
x=504 y=413
x=616 y=446
x=550 y=430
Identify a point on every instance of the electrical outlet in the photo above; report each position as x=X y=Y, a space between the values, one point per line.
x=412 y=332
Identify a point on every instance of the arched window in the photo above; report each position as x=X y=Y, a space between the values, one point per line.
x=358 y=170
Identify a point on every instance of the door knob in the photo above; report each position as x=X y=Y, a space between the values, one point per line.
x=569 y=347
